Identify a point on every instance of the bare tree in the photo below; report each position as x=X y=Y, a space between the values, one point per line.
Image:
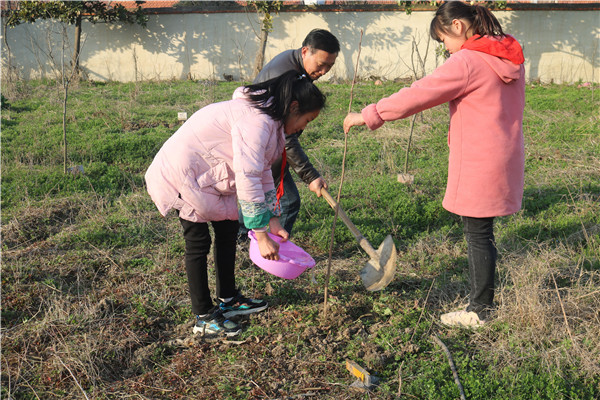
x=9 y=72
x=264 y=10
x=66 y=79
x=73 y=13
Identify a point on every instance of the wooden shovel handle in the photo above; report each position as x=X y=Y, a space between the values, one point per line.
x=362 y=241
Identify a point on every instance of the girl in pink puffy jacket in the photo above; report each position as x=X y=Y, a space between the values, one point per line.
x=483 y=82
x=222 y=155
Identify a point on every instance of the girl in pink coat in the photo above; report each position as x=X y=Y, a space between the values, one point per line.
x=483 y=82
x=222 y=155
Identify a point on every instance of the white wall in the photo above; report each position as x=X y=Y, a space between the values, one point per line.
x=560 y=46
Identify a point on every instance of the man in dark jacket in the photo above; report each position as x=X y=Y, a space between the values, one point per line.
x=314 y=59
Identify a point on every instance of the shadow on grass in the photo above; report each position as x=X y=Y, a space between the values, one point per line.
x=9 y=122
x=539 y=199
x=557 y=216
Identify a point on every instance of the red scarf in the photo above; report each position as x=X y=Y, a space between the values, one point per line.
x=279 y=192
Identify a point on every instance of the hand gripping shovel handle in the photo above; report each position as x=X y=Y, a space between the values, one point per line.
x=362 y=241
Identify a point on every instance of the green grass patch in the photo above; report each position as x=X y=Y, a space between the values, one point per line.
x=91 y=270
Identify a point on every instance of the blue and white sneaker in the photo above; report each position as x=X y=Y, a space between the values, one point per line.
x=215 y=324
x=241 y=305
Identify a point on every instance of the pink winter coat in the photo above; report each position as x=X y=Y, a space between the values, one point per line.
x=222 y=151
x=486 y=93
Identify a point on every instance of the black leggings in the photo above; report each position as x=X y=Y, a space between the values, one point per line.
x=482 y=255
x=197 y=245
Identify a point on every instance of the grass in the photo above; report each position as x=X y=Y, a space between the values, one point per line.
x=94 y=297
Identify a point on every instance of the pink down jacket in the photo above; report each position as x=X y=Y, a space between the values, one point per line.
x=222 y=152
x=486 y=94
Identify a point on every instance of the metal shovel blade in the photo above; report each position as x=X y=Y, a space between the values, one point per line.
x=379 y=272
x=380 y=269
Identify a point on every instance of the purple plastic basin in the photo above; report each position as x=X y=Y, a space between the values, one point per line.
x=292 y=259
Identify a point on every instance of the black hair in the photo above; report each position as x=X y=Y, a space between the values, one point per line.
x=320 y=39
x=275 y=96
x=482 y=21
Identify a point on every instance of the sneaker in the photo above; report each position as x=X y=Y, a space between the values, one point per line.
x=216 y=324
x=466 y=319
x=241 y=305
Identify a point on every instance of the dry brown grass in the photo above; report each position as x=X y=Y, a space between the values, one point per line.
x=80 y=329
x=550 y=305
x=114 y=319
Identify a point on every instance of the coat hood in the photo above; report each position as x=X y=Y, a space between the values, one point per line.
x=507 y=54
x=506 y=47
x=240 y=93
x=243 y=93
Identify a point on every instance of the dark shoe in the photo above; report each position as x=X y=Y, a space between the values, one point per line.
x=241 y=305
x=242 y=238
x=215 y=324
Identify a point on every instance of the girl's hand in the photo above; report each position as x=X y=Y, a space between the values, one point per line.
x=353 y=119
x=269 y=249
x=276 y=229
x=316 y=185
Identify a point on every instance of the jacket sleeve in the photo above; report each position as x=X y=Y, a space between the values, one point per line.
x=253 y=179
x=298 y=159
x=446 y=83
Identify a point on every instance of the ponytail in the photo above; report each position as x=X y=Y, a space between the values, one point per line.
x=482 y=21
x=275 y=96
x=485 y=23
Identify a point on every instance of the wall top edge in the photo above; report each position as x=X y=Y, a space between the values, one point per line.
x=216 y=7
x=236 y=8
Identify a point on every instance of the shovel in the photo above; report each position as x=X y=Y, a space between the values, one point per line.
x=380 y=269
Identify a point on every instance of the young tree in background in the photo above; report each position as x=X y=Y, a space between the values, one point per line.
x=264 y=10
x=73 y=13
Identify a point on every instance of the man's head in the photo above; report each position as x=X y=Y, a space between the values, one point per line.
x=319 y=51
